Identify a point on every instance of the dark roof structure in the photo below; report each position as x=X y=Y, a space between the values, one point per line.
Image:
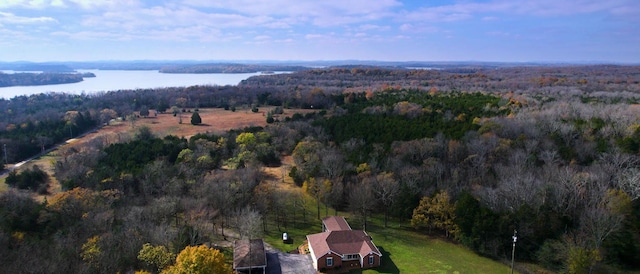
x=249 y=254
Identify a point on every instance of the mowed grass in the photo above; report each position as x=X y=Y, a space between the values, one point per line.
x=405 y=250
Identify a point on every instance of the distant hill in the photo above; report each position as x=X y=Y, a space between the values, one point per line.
x=43 y=67
x=229 y=68
x=249 y=66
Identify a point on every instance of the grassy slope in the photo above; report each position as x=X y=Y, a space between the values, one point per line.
x=407 y=251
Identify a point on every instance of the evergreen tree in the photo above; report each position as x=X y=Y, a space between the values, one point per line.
x=195 y=118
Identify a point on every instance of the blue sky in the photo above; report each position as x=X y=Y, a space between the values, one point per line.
x=388 y=30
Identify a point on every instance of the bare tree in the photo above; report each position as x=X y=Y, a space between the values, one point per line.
x=386 y=189
x=361 y=201
x=248 y=222
x=629 y=181
x=335 y=197
x=332 y=162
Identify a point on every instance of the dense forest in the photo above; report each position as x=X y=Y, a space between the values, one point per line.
x=469 y=154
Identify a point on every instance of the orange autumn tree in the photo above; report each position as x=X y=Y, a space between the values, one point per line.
x=435 y=212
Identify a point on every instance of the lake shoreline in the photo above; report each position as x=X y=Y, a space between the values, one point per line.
x=113 y=80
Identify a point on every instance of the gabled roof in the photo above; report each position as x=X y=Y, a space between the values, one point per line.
x=243 y=260
x=342 y=242
x=335 y=223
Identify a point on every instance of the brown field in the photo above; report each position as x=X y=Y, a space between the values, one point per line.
x=215 y=121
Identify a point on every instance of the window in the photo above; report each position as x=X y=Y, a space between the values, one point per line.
x=370 y=259
x=329 y=261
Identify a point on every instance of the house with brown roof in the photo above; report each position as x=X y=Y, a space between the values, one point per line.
x=340 y=247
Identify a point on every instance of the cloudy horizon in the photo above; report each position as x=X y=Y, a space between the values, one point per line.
x=384 y=30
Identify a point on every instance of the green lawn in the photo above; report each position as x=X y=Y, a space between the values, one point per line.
x=407 y=251
x=404 y=250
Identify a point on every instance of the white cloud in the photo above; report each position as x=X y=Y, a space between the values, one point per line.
x=106 y=4
x=300 y=23
x=287 y=40
x=21 y=3
x=298 y=7
x=315 y=36
x=418 y=28
x=503 y=34
x=91 y=35
x=320 y=13
x=163 y=17
x=560 y=8
x=540 y=8
x=373 y=27
x=10 y=18
x=262 y=38
x=84 y=4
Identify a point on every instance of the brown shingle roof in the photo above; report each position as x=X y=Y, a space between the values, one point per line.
x=241 y=259
x=342 y=242
x=334 y=223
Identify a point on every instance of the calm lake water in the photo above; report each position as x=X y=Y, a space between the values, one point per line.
x=107 y=80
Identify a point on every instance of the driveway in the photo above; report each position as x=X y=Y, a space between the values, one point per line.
x=279 y=262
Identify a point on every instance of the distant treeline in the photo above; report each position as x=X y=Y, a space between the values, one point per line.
x=37 y=79
x=569 y=79
x=45 y=67
x=228 y=68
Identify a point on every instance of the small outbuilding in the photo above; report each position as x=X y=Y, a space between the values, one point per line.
x=249 y=255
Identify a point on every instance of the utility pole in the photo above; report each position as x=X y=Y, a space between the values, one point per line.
x=5 y=154
x=513 y=251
